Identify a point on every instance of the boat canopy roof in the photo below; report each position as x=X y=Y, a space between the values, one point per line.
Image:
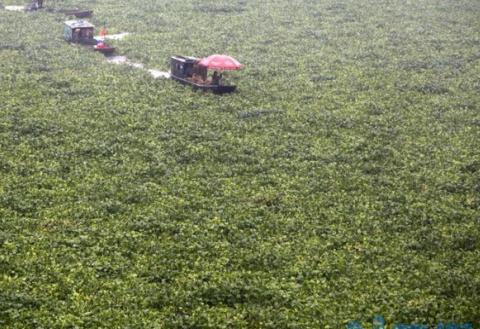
x=185 y=59
x=79 y=24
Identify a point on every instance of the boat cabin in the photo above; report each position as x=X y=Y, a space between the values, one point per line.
x=79 y=31
x=187 y=67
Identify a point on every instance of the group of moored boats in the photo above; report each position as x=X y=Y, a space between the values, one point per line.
x=184 y=69
x=38 y=4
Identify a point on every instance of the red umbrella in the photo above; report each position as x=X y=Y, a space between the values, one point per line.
x=220 y=62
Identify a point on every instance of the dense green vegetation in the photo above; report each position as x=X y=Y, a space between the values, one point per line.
x=342 y=180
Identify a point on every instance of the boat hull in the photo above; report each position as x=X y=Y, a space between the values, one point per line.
x=217 y=89
x=77 y=12
x=104 y=50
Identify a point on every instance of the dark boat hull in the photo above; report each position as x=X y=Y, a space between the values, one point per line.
x=105 y=50
x=217 y=89
x=79 y=13
x=92 y=44
x=88 y=42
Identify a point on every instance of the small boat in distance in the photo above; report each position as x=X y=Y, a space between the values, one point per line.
x=82 y=32
x=103 y=48
x=79 y=13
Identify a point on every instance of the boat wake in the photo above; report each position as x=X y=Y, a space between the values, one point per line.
x=118 y=36
x=123 y=60
x=15 y=8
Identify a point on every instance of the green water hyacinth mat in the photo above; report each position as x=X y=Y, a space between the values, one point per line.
x=341 y=179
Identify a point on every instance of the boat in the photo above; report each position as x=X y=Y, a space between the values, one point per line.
x=188 y=71
x=103 y=48
x=79 y=13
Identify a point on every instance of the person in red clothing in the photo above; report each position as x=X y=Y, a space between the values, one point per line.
x=103 y=32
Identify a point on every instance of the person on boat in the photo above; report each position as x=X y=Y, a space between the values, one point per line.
x=88 y=34
x=35 y=5
x=76 y=35
x=103 y=32
x=215 y=78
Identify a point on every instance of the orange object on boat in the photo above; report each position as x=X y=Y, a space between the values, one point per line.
x=103 y=32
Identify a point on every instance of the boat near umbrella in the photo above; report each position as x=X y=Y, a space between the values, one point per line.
x=195 y=72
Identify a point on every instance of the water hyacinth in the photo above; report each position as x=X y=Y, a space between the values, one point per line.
x=340 y=181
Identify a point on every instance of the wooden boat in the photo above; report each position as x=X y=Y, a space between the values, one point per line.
x=104 y=49
x=185 y=69
x=79 y=13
